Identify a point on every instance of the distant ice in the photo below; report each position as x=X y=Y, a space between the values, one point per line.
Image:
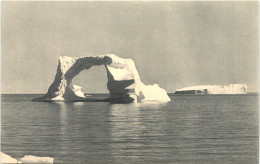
x=214 y=89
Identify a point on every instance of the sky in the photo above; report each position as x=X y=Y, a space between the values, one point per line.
x=174 y=44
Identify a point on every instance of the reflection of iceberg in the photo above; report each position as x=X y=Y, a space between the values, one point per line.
x=136 y=129
x=214 y=89
x=124 y=83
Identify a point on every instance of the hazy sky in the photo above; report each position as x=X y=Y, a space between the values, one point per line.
x=174 y=44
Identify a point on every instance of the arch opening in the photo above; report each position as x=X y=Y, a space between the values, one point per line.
x=92 y=81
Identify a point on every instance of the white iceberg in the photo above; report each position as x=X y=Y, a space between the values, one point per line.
x=124 y=83
x=214 y=89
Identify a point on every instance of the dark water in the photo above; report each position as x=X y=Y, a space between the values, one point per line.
x=189 y=129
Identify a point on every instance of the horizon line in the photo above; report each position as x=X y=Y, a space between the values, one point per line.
x=84 y=93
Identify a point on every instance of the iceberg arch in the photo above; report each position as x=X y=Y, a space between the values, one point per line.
x=124 y=82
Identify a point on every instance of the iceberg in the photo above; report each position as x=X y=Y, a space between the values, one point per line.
x=214 y=89
x=124 y=83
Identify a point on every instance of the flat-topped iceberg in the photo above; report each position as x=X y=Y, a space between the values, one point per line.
x=214 y=89
x=124 y=83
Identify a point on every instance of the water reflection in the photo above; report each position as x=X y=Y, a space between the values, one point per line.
x=84 y=130
x=151 y=104
x=63 y=126
x=63 y=112
x=122 y=131
x=125 y=128
x=61 y=105
x=130 y=125
x=77 y=105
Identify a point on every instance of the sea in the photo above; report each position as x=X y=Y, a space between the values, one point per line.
x=190 y=129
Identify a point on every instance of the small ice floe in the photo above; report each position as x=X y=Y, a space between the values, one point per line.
x=34 y=159
x=7 y=159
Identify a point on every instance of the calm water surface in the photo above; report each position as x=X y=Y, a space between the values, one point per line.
x=189 y=129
